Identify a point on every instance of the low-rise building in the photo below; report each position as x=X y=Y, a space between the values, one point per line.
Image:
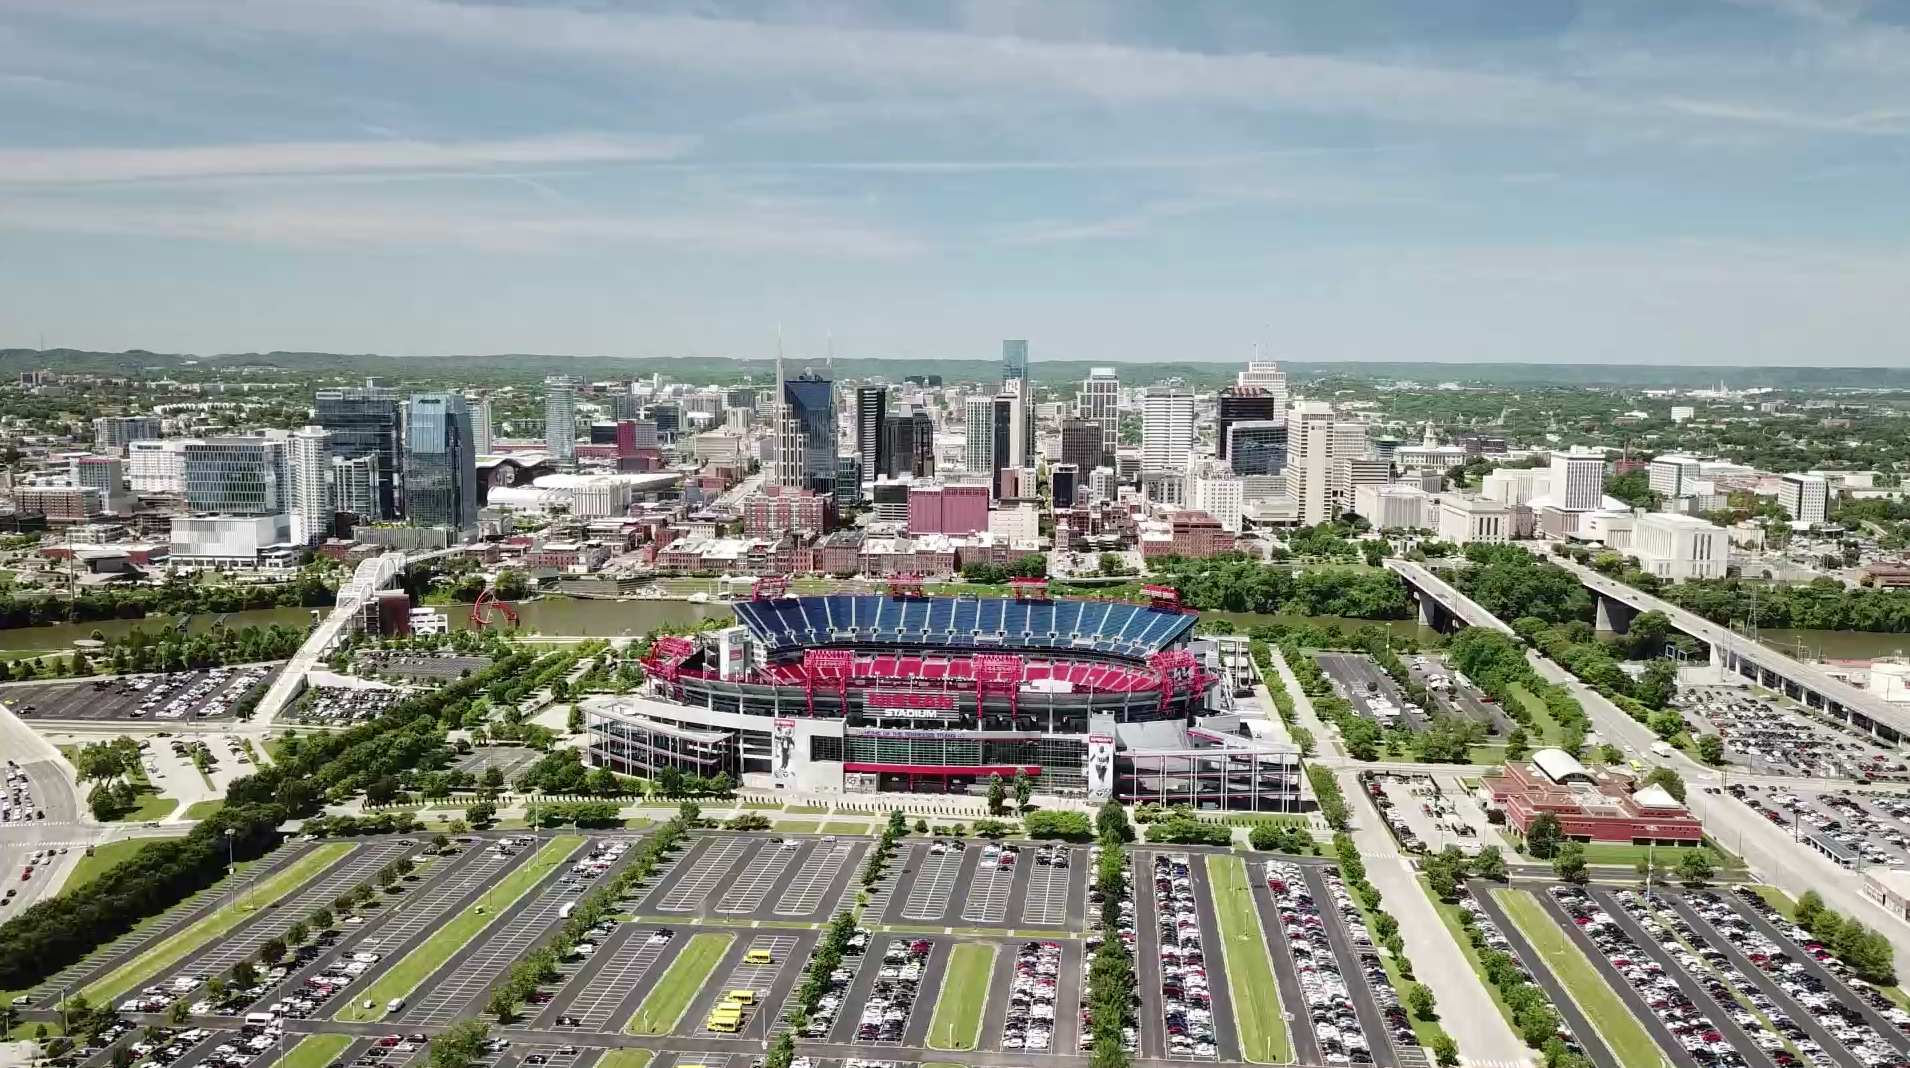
x=1464 y=519
x=1589 y=807
x=1395 y=506
x=1679 y=547
x=232 y=542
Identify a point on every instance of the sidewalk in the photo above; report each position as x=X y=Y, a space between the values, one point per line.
x=1325 y=741
x=1466 y=1010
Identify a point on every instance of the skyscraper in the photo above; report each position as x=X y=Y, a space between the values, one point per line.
x=978 y=419
x=309 y=459
x=481 y=427
x=367 y=421
x=1081 y=444
x=1242 y=404
x=1269 y=377
x=1013 y=434
x=440 y=463
x=560 y=420
x=1316 y=444
x=1100 y=402
x=1257 y=447
x=1167 y=430
x=1014 y=361
x=1578 y=479
x=872 y=439
x=806 y=432
x=238 y=476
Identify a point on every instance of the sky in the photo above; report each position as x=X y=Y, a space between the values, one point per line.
x=1708 y=182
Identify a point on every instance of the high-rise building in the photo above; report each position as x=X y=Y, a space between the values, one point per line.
x=1240 y=404
x=112 y=433
x=1671 y=476
x=440 y=463
x=978 y=421
x=1578 y=480
x=1099 y=402
x=1257 y=447
x=805 y=433
x=1013 y=436
x=560 y=420
x=848 y=479
x=1310 y=461
x=355 y=485
x=367 y=421
x=1220 y=495
x=1081 y=444
x=1806 y=498
x=1167 y=430
x=103 y=473
x=481 y=426
x=908 y=444
x=309 y=460
x=872 y=440
x=1064 y=484
x=1014 y=361
x=157 y=467
x=1269 y=377
x=238 y=476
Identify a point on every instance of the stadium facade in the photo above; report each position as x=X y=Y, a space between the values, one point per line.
x=862 y=693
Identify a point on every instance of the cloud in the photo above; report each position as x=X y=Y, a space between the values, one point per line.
x=470 y=226
x=92 y=166
x=898 y=60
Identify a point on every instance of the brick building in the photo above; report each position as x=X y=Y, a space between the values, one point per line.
x=1590 y=808
x=784 y=509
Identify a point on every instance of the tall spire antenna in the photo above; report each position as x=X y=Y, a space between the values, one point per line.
x=829 y=341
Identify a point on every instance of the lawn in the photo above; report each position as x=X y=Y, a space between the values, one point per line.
x=315 y=1051
x=1664 y=858
x=797 y=826
x=173 y=949
x=151 y=807
x=808 y=810
x=1250 y=982
x=958 y=1011
x=664 y=1005
x=1595 y=997
x=451 y=936
x=845 y=827
x=203 y=809
x=1545 y=729
x=625 y=1058
x=104 y=857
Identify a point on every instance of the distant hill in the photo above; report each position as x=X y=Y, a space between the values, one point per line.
x=504 y=367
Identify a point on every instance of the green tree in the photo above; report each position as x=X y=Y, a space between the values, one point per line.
x=1711 y=749
x=1419 y=998
x=1445 y=1050
x=1658 y=685
x=1490 y=864
x=1024 y=789
x=1304 y=739
x=1695 y=867
x=1542 y=837
x=997 y=794
x=1668 y=778
x=1517 y=744
x=1808 y=907
x=1569 y=862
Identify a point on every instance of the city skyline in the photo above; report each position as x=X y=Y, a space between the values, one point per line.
x=1551 y=182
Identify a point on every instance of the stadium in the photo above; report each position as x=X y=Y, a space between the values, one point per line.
x=905 y=692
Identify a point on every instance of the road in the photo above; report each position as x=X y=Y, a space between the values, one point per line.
x=54 y=793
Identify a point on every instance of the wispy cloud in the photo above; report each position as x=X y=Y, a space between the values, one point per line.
x=92 y=166
x=454 y=225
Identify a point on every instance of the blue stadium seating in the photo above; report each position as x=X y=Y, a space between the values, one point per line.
x=996 y=623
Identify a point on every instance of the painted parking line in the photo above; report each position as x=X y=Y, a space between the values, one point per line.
x=705 y=874
x=934 y=883
x=987 y=900
x=817 y=874
x=357 y=868
x=595 y=1007
x=758 y=878
x=1047 y=903
x=884 y=887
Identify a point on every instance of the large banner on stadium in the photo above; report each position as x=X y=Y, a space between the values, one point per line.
x=1100 y=767
x=782 y=751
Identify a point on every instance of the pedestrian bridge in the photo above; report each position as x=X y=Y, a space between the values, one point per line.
x=347 y=615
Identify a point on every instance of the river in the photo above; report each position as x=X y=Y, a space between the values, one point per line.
x=603 y=618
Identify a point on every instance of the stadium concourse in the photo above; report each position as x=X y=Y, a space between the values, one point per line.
x=858 y=693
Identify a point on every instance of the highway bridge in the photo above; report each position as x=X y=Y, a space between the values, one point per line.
x=1440 y=606
x=347 y=615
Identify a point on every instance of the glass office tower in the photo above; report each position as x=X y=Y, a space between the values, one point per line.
x=812 y=410
x=367 y=421
x=440 y=463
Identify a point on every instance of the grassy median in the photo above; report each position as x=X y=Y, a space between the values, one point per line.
x=958 y=1009
x=1250 y=982
x=664 y=1005
x=625 y=1058
x=176 y=948
x=455 y=933
x=315 y=1051
x=1601 y=1005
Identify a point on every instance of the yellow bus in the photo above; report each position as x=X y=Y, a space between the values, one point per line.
x=757 y=956
x=743 y=997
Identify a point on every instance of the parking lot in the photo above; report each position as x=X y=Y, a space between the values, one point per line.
x=1854 y=828
x=416 y=665
x=1458 y=693
x=1763 y=735
x=507 y=759
x=1424 y=816
x=185 y=696
x=1372 y=692
x=342 y=706
x=883 y=998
